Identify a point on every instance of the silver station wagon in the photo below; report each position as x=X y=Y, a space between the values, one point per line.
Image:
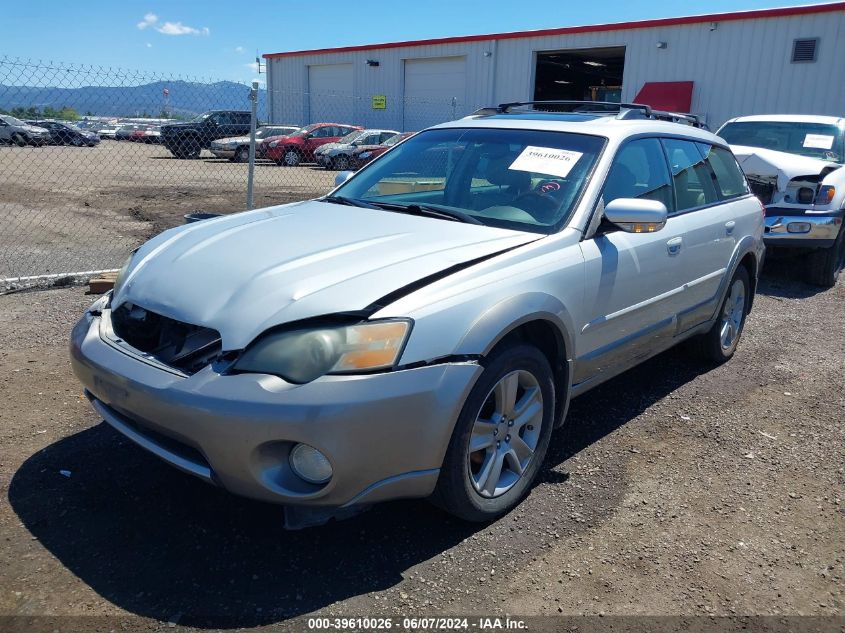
x=420 y=331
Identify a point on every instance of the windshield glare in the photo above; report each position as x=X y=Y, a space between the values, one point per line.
x=816 y=140
x=201 y=117
x=527 y=180
x=12 y=120
x=349 y=138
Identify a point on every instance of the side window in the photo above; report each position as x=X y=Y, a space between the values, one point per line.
x=639 y=171
x=729 y=178
x=223 y=118
x=694 y=182
x=242 y=118
x=321 y=132
x=384 y=136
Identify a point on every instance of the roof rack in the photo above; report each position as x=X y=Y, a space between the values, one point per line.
x=602 y=108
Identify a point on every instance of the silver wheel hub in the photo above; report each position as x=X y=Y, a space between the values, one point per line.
x=732 y=315
x=505 y=434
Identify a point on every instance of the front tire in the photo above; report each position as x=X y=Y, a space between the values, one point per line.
x=242 y=155
x=291 y=158
x=501 y=436
x=19 y=140
x=824 y=266
x=341 y=162
x=720 y=342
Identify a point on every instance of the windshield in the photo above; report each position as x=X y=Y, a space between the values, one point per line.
x=12 y=120
x=527 y=180
x=816 y=140
x=201 y=117
x=351 y=137
x=393 y=140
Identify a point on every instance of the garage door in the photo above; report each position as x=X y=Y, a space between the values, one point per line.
x=330 y=98
x=435 y=91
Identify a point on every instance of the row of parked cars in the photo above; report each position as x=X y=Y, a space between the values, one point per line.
x=330 y=145
x=14 y=131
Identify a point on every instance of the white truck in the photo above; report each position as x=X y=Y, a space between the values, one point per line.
x=794 y=164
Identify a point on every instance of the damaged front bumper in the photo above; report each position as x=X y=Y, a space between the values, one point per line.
x=385 y=434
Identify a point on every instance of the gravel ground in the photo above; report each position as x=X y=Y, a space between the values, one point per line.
x=675 y=490
x=71 y=209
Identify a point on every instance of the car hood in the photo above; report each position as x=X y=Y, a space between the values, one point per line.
x=768 y=163
x=242 y=274
x=34 y=129
x=327 y=147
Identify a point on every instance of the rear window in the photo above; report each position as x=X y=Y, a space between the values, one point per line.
x=730 y=181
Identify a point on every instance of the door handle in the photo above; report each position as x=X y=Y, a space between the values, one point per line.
x=674 y=245
x=729 y=227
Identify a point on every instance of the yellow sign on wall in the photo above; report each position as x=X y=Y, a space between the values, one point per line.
x=379 y=102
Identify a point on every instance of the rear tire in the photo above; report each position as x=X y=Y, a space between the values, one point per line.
x=501 y=436
x=720 y=342
x=824 y=266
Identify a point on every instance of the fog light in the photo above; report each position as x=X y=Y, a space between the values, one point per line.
x=798 y=227
x=806 y=195
x=310 y=464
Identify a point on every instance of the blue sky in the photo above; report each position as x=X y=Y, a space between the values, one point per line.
x=212 y=39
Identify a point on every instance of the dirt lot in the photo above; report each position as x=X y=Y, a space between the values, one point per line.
x=69 y=209
x=675 y=490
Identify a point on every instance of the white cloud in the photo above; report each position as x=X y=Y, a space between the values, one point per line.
x=177 y=28
x=239 y=49
x=149 y=45
x=149 y=20
x=253 y=66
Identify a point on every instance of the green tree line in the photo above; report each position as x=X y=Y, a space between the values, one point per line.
x=65 y=113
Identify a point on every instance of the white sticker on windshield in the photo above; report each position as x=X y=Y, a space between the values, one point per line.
x=546 y=160
x=819 y=141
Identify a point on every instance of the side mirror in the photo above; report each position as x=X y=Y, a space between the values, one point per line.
x=634 y=215
x=342 y=177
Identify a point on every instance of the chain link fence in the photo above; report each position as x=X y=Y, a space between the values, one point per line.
x=96 y=160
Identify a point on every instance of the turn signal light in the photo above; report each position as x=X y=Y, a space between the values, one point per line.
x=798 y=227
x=826 y=194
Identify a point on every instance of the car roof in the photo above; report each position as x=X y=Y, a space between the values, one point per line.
x=610 y=127
x=790 y=118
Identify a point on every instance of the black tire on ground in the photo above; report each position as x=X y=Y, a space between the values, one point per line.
x=241 y=155
x=824 y=265
x=18 y=140
x=341 y=162
x=712 y=346
x=291 y=158
x=456 y=491
x=186 y=149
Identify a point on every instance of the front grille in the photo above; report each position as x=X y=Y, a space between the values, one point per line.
x=182 y=346
x=763 y=190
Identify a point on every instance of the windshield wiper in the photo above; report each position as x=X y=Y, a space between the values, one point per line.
x=426 y=210
x=350 y=202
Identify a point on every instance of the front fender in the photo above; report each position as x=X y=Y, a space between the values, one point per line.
x=501 y=319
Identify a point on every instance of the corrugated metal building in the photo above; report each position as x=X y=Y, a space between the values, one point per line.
x=721 y=65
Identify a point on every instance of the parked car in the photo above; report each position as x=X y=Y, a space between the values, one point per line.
x=62 y=133
x=339 y=155
x=421 y=330
x=795 y=166
x=16 y=132
x=300 y=146
x=187 y=140
x=365 y=153
x=108 y=132
x=236 y=148
x=124 y=132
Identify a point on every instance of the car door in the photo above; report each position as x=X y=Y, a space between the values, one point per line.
x=318 y=137
x=633 y=281
x=708 y=228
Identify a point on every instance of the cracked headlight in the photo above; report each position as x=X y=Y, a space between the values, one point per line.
x=300 y=356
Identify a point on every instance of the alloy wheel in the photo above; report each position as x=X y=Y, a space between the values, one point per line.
x=505 y=434
x=732 y=315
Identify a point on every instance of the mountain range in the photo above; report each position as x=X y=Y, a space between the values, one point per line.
x=185 y=98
